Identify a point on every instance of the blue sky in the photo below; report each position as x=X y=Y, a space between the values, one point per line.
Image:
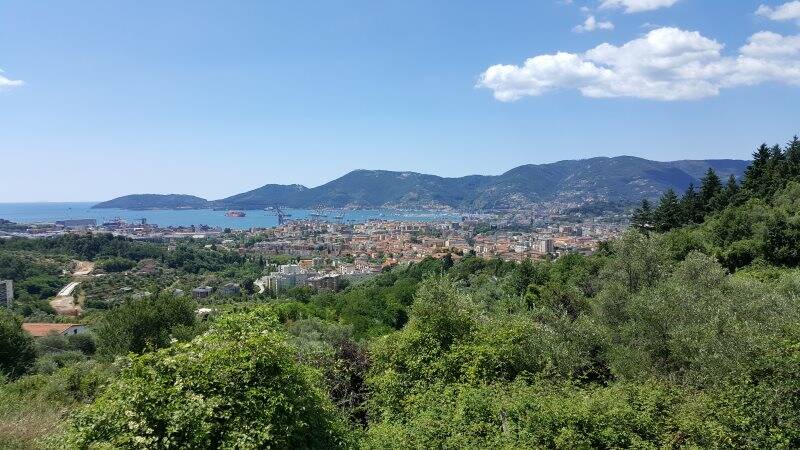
x=99 y=98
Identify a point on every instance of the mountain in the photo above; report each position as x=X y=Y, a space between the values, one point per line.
x=595 y=180
x=154 y=201
x=260 y=198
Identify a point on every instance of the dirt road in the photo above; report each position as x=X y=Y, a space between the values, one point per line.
x=64 y=303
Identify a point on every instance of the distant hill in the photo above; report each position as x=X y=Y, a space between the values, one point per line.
x=154 y=201
x=595 y=180
x=260 y=198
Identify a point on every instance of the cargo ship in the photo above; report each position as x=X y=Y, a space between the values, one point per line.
x=233 y=213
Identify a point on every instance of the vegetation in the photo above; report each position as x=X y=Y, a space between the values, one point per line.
x=682 y=333
x=237 y=386
x=755 y=221
x=144 y=324
x=17 y=352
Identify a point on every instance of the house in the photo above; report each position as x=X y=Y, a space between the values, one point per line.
x=43 y=329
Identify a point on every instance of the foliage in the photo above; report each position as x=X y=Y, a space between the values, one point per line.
x=17 y=351
x=116 y=264
x=143 y=324
x=237 y=386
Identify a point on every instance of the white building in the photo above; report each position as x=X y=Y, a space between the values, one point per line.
x=7 y=292
x=545 y=246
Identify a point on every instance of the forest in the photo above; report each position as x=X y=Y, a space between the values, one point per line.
x=683 y=333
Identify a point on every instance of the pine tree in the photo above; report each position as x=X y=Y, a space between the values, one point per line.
x=668 y=214
x=691 y=209
x=643 y=217
x=711 y=187
x=727 y=196
x=793 y=157
x=732 y=188
x=755 y=176
x=776 y=173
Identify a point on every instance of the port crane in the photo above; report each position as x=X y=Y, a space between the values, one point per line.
x=281 y=215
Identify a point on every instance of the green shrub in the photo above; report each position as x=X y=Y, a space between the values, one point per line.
x=17 y=351
x=142 y=324
x=237 y=386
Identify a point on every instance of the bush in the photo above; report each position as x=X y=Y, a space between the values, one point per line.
x=519 y=415
x=17 y=351
x=116 y=264
x=83 y=342
x=51 y=362
x=142 y=324
x=237 y=386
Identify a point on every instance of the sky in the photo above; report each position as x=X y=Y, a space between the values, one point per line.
x=105 y=98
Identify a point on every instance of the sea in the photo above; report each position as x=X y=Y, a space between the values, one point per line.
x=27 y=213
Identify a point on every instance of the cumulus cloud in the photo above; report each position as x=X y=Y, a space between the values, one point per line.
x=591 y=24
x=786 y=11
x=666 y=64
x=634 y=6
x=7 y=83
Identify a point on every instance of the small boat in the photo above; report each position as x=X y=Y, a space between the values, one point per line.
x=237 y=214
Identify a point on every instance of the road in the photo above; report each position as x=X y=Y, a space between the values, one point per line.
x=64 y=303
x=67 y=290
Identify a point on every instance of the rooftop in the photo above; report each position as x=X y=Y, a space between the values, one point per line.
x=43 y=329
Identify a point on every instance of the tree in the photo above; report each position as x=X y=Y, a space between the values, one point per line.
x=116 y=264
x=447 y=261
x=643 y=217
x=143 y=324
x=793 y=157
x=668 y=215
x=238 y=386
x=710 y=187
x=727 y=196
x=690 y=205
x=755 y=176
x=776 y=173
x=17 y=351
x=782 y=241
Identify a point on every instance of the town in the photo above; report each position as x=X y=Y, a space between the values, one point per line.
x=326 y=255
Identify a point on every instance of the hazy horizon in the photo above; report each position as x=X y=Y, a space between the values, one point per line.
x=213 y=99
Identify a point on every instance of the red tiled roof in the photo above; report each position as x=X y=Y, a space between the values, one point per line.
x=43 y=329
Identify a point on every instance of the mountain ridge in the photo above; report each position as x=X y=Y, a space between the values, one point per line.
x=620 y=179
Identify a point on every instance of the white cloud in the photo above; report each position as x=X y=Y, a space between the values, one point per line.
x=786 y=11
x=7 y=83
x=666 y=64
x=633 y=6
x=591 y=24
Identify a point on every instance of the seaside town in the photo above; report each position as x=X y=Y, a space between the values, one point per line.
x=326 y=254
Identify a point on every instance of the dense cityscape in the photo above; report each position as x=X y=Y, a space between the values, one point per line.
x=326 y=252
